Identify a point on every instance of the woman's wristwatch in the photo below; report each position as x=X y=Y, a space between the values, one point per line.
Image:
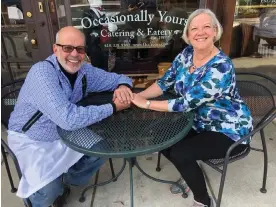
x=148 y=104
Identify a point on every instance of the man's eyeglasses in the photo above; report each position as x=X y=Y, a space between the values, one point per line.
x=70 y=48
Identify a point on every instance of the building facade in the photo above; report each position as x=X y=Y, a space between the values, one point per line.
x=134 y=37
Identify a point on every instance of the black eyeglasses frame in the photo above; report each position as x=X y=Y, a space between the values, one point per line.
x=79 y=49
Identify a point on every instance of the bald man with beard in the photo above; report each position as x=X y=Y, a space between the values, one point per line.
x=51 y=90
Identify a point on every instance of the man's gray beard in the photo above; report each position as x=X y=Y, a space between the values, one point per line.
x=63 y=64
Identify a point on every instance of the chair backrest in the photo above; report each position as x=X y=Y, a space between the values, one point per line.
x=259 y=93
x=9 y=97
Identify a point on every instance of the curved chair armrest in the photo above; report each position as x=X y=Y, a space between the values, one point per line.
x=6 y=147
x=14 y=82
x=267 y=116
x=257 y=74
x=268 y=119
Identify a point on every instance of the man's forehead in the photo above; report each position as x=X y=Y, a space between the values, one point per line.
x=72 y=39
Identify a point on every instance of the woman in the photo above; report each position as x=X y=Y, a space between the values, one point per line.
x=204 y=79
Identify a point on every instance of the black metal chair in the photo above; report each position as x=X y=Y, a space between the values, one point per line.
x=9 y=96
x=256 y=90
x=10 y=92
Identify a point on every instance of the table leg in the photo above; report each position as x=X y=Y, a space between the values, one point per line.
x=184 y=195
x=111 y=168
x=131 y=162
x=256 y=54
x=82 y=197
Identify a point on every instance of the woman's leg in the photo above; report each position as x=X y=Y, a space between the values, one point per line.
x=202 y=146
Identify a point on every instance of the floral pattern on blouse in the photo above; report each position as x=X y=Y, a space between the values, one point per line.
x=211 y=92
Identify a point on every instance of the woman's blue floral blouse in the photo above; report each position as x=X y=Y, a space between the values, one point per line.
x=211 y=92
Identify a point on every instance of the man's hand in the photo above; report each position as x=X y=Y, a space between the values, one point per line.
x=139 y=101
x=120 y=106
x=124 y=94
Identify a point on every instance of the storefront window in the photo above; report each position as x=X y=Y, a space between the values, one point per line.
x=254 y=29
x=132 y=36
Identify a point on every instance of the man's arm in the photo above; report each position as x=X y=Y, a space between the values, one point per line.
x=49 y=98
x=99 y=80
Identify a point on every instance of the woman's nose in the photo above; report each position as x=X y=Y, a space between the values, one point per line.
x=201 y=31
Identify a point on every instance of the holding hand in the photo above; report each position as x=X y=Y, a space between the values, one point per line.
x=123 y=94
x=119 y=105
x=140 y=101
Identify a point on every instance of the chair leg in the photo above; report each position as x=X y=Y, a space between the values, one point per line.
x=263 y=189
x=13 y=189
x=221 y=186
x=112 y=169
x=158 y=169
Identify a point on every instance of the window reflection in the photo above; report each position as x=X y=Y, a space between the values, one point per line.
x=11 y=13
x=15 y=39
x=132 y=36
x=17 y=45
x=254 y=29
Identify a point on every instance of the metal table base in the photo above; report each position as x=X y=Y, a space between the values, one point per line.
x=132 y=162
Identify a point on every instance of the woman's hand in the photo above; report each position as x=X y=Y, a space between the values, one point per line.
x=124 y=94
x=139 y=101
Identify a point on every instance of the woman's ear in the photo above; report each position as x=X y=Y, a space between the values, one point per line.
x=216 y=32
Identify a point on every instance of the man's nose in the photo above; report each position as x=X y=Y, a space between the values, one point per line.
x=74 y=52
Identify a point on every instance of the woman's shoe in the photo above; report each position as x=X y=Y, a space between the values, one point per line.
x=175 y=189
x=197 y=204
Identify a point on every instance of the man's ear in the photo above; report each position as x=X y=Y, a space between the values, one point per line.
x=55 y=49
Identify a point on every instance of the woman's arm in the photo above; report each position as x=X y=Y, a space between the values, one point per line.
x=164 y=83
x=142 y=102
x=151 y=92
x=212 y=85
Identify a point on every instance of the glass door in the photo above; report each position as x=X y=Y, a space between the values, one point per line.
x=129 y=36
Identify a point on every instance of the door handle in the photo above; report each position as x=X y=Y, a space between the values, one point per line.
x=33 y=41
x=40 y=7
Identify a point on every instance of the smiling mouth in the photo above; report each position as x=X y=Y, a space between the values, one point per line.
x=201 y=39
x=73 y=61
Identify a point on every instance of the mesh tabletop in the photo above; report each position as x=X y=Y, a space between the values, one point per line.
x=129 y=133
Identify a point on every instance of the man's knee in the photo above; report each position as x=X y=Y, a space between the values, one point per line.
x=87 y=160
x=48 y=194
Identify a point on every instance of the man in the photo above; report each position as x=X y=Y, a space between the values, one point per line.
x=50 y=92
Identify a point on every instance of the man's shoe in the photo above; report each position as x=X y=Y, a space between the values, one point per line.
x=61 y=200
x=175 y=189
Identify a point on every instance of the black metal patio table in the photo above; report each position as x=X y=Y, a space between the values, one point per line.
x=128 y=134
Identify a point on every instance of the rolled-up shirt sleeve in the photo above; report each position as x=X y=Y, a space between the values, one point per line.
x=168 y=80
x=101 y=80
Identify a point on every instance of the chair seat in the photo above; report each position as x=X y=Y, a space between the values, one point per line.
x=215 y=163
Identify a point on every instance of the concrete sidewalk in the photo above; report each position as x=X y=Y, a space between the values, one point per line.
x=242 y=184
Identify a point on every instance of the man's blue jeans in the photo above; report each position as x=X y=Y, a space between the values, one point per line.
x=79 y=174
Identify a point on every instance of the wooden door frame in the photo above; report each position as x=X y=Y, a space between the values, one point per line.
x=39 y=28
x=224 y=10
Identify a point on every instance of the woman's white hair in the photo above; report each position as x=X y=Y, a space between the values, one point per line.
x=215 y=22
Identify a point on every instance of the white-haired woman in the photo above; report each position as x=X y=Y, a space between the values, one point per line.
x=203 y=77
